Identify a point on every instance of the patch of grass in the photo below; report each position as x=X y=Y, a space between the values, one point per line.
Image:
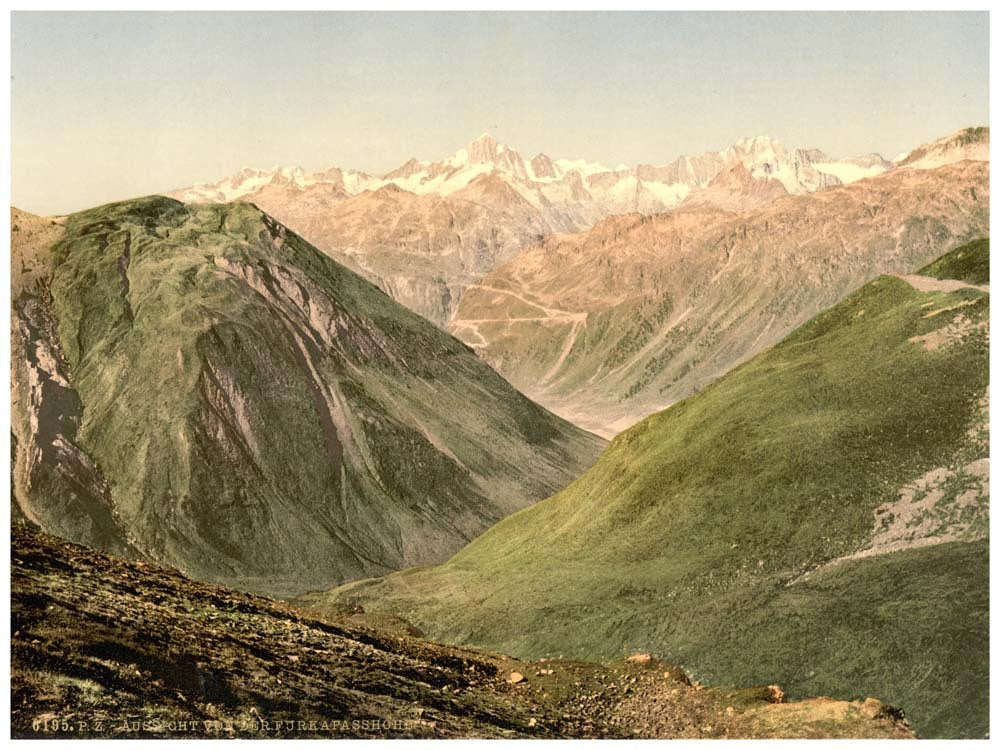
x=684 y=536
x=969 y=263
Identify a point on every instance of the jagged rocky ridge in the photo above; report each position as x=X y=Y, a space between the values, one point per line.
x=198 y=386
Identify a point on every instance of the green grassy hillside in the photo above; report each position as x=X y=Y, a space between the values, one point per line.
x=200 y=386
x=817 y=515
x=969 y=263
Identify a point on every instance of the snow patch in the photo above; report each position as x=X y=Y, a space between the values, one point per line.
x=846 y=172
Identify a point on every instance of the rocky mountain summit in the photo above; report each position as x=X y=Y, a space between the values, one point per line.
x=969 y=144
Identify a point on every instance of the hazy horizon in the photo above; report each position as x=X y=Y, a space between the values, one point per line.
x=108 y=106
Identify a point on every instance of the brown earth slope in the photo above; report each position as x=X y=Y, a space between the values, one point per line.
x=103 y=647
x=423 y=250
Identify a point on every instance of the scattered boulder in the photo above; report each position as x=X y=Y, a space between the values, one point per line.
x=775 y=694
x=871 y=707
x=676 y=674
x=640 y=658
x=515 y=677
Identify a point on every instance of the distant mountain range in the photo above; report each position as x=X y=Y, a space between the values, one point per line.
x=608 y=322
x=563 y=189
x=459 y=217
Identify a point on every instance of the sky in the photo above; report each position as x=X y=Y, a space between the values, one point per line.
x=107 y=106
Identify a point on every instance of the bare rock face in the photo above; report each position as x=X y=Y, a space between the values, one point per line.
x=57 y=479
x=607 y=326
x=200 y=387
x=736 y=189
x=542 y=166
x=423 y=250
x=968 y=144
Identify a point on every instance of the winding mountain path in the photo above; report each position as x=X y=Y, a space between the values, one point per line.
x=550 y=312
x=930 y=284
x=578 y=320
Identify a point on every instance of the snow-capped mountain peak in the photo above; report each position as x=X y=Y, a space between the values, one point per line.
x=573 y=193
x=483 y=150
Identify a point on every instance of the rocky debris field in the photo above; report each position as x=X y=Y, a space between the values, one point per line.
x=104 y=647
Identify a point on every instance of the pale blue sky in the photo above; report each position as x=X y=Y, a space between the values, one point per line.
x=108 y=106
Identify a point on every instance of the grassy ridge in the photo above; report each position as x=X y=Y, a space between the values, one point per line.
x=969 y=263
x=691 y=535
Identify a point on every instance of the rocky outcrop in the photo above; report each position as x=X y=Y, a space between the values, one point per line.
x=55 y=483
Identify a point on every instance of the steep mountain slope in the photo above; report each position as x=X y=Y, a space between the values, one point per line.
x=198 y=386
x=106 y=648
x=818 y=515
x=462 y=216
x=607 y=326
x=423 y=250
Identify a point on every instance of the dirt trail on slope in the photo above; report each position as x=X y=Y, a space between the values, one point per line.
x=567 y=348
x=930 y=284
x=578 y=320
x=551 y=312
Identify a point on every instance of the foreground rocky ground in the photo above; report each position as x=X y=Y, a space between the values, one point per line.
x=104 y=647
